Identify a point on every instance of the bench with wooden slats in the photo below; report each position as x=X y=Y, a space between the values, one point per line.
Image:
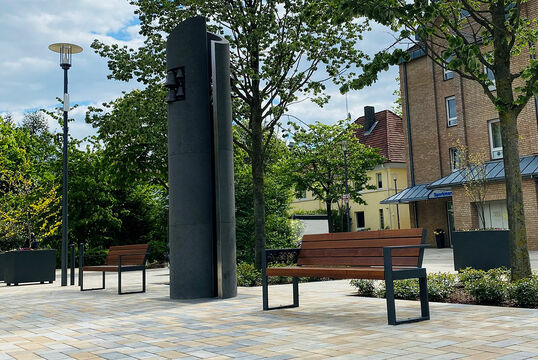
x=119 y=259
x=377 y=255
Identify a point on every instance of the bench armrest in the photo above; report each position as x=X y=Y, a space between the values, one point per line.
x=269 y=255
x=387 y=254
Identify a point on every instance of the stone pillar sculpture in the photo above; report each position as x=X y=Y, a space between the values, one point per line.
x=200 y=164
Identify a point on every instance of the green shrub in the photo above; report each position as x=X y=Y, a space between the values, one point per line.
x=158 y=251
x=403 y=289
x=441 y=286
x=364 y=287
x=525 y=292
x=247 y=275
x=487 y=287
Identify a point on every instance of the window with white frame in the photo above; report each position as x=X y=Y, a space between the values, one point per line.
x=495 y=140
x=451 y=113
x=491 y=77
x=455 y=159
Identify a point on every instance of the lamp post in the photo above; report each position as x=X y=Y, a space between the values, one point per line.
x=346 y=199
x=397 y=208
x=66 y=51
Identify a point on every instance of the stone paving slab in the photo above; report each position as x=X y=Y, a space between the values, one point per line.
x=51 y=322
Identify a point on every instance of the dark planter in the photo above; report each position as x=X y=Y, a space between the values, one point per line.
x=440 y=239
x=29 y=266
x=484 y=250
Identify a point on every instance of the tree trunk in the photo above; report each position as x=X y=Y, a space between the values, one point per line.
x=329 y=216
x=258 y=192
x=519 y=254
x=508 y=113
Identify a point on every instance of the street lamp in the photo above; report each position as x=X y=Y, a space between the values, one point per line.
x=66 y=51
x=346 y=197
x=397 y=209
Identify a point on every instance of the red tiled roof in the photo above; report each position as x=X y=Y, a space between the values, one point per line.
x=387 y=135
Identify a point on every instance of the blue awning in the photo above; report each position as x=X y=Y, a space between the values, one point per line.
x=416 y=193
x=494 y=172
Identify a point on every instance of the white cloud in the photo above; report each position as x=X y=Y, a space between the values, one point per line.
x=30 y=72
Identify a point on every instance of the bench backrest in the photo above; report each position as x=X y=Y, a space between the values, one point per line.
x=361 y=248
x=132 y=254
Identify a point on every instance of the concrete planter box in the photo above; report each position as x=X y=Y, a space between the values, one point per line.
x=484 y=250
x=29 y=266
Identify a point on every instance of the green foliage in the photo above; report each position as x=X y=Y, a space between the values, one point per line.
x=28 y=193
x=278 y=195
x=316 y=162
x=94 y=256
x=248 y=275
x=524 y=292
x=487 y=287
x=364 y=287
x=441 y=286
x=158 y=251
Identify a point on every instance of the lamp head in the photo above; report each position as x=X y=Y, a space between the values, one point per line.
x=65 y=50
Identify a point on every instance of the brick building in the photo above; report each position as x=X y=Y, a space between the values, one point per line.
x=441 y=108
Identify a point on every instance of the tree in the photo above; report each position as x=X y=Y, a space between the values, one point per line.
x=278 y=51
x=28 y=194
x=316 y=162
x=480 y=41
x=36 y=122
x=133 y=129
x=278 y=195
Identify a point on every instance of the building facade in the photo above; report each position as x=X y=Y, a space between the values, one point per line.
x=441 y=109
x=382 y=130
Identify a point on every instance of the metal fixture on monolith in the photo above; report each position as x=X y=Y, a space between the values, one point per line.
x=200 y=164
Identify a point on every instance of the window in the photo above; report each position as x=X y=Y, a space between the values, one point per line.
x=455 y=159
x=451 y=114
x=447 y=74
x=302 y=194
x=495 y=139
x=359 y=216
x=491 y=77
x=381 y=219
x=379 y=180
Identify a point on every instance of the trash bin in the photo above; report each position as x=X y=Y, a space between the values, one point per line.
x=440 y=238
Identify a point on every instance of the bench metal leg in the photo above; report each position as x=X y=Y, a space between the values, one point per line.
x=81 y=282
x=132 y=292
x=391 y=308
x=265 y=292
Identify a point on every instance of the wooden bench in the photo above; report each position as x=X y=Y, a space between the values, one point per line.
x=120 y=259
x=378 y=255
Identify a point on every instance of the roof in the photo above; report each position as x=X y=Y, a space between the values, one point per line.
x=494 y=172
x=386 y=134
x=416 y=193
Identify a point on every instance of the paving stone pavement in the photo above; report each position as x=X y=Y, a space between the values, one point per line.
x=51 y=322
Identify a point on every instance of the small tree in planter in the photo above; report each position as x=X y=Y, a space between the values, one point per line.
x=473 y=171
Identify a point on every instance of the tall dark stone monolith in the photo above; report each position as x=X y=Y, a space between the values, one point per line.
x=200 y=164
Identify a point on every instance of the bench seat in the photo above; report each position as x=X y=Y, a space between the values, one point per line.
x=111 y=268
x=369 y=273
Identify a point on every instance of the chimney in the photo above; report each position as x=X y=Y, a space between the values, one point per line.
x=369 y=117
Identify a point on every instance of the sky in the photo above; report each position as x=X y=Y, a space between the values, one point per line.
x=31 y=78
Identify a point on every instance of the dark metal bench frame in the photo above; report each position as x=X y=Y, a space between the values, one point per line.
x=390 y=275
x=120 y=270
